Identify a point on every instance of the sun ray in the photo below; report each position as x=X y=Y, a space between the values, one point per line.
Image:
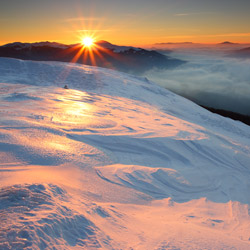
x=88 y=51
x=78 y=54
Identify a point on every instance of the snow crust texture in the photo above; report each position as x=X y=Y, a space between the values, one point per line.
x=116 y=162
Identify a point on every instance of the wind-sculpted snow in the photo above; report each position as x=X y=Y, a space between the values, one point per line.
x=37 y=217
x=115 y=162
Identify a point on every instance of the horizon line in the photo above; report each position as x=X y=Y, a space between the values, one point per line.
x=153 y=44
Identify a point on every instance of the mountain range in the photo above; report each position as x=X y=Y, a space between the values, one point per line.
x=241 y=53
x=103 y=54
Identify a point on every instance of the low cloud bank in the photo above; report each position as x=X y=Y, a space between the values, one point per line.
x=209 y=79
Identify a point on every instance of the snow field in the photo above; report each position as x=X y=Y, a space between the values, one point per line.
x=116 y=162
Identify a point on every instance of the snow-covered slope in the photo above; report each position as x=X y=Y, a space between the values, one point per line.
x=116 y=162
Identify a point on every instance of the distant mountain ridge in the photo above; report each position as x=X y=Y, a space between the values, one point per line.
x=227 y=43
x=104 y=54
x=241 y=53
x=19 y=45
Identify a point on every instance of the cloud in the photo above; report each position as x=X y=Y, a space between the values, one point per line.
x=209 y=79
x=191 y=13
x=93 y=30
x=185 y=14
x=79 y=19
x=179 y=36
x=231 y=34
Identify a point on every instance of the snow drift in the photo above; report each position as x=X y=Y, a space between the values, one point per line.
x=116 y=162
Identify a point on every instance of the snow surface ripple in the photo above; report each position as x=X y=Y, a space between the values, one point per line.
x=113 y=162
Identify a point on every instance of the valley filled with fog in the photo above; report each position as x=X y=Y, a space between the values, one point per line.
x=211 y=76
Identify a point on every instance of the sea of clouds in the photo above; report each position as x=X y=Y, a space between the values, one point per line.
x=209 y=78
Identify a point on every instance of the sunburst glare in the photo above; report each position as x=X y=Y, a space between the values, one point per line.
x=87 y=41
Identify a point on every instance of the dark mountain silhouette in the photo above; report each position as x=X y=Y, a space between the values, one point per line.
x=235 y=116
x=241 y=53
x=103 y=54
x=227 y=43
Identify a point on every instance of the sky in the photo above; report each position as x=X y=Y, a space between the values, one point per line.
x=130 y=22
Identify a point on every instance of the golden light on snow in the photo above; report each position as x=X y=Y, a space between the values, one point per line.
x=100 y=163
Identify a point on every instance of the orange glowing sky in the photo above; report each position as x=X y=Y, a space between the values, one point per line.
x=131 y=22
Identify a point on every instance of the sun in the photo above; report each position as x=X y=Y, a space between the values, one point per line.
x=87 y=41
